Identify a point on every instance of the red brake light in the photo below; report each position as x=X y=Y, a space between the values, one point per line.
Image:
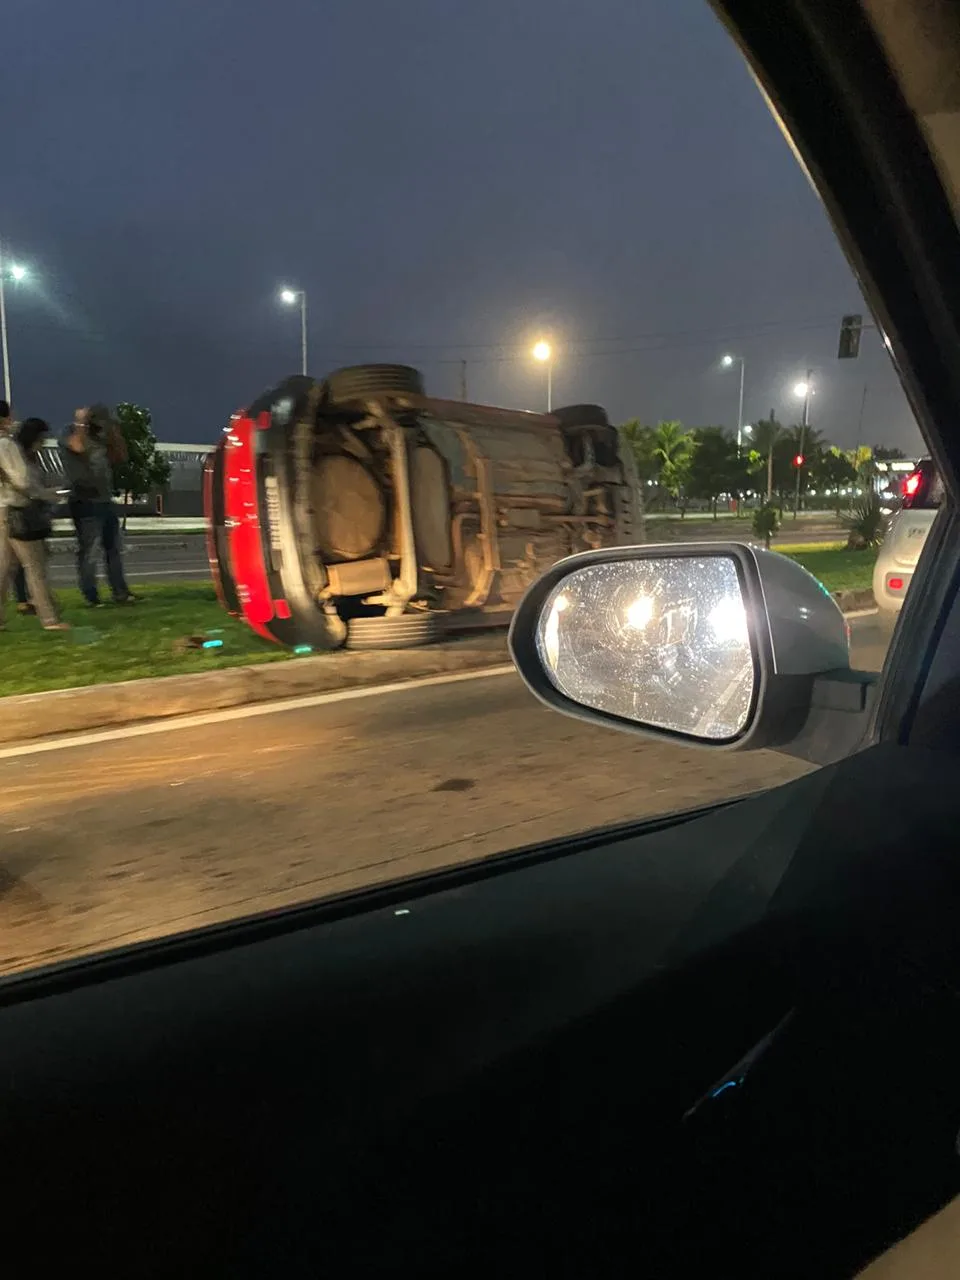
x=895 y=584
x=912 y=484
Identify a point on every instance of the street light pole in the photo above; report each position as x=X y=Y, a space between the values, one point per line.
x=290 y=296
x=807 y=386
x=7 y=394
x=303 y=332
x=727 y=362
x=543 y=353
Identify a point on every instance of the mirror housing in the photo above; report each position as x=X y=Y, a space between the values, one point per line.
x=713 y=644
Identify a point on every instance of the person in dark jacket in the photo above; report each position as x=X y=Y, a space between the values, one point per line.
x=93 y=446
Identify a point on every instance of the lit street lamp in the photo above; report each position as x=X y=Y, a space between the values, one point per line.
x=17 y=273
x=804 y=390
x=290 y=298
x=542 y=352
x=728 y=362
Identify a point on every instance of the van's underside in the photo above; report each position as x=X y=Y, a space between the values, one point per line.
x=359 y=510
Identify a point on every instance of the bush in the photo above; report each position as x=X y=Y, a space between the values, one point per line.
x=866 y=525
x=766 y=523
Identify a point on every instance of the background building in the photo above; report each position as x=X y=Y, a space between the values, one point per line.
x=183 y=497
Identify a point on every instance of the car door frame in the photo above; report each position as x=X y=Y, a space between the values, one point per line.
x=900 y=234
x=857 y=101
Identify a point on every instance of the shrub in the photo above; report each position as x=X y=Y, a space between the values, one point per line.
x=766 y=523
x=866 y=524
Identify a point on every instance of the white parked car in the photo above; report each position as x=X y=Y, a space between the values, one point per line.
x=922 y=492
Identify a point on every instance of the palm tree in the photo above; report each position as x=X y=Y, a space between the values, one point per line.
x=639 y=440
x=766 y=436
x=673 y=448
x=642 y=442
x=807 y=440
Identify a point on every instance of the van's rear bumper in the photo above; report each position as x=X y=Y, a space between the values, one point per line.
x=890 y=587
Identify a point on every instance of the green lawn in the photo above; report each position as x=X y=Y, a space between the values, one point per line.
x=126 y=643
x=838 y=569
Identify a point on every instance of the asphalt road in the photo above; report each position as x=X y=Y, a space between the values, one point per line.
x=153 y=558
x=870 y=637
x=137 y=835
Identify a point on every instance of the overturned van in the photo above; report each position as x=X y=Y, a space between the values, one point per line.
x=358 y=510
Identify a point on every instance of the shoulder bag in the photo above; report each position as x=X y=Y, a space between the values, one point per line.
x=31 y=522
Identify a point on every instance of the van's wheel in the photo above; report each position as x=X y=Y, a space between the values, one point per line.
x=363 y=381
x=405 y=631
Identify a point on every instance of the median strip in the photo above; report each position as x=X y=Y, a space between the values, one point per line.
x=177 y=653
x=38 y=715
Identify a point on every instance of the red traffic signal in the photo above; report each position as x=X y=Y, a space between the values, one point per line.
x=798 y=460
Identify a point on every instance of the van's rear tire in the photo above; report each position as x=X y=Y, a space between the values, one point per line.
x=366 y=381
x=405 y=631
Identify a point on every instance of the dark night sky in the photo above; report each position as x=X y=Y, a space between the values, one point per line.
x=445 y=179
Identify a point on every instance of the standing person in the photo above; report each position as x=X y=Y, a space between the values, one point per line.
x=93 y=446
x=25 y=521
x=7 y=428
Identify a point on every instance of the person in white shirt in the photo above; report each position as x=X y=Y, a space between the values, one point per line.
x=8 y=427
x=22 y=488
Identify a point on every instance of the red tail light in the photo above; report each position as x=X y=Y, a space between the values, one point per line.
x=912 y=484
x=895 y=584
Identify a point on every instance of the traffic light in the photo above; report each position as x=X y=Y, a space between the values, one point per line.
x=798 y=460
x=850 y=328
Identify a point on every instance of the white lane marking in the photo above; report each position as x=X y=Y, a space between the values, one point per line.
x=172 y=723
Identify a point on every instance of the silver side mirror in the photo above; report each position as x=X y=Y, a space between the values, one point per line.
x=711 y=643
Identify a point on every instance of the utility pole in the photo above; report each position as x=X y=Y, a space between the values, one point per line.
x=463 y=379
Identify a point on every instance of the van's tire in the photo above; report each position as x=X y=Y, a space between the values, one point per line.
x=582 y=415
x=405 y=631
x=364 y=381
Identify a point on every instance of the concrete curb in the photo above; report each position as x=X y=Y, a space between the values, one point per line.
x=854 y=601
x=40 y=715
